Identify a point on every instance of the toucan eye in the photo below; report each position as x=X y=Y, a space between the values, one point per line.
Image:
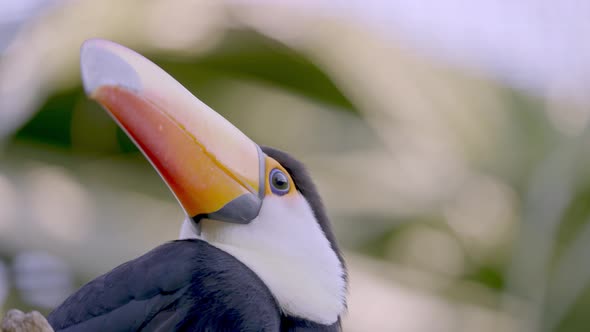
x=279 y=182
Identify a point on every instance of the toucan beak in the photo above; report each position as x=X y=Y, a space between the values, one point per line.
x=213 y=169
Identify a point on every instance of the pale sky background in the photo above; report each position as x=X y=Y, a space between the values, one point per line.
x=538 y=45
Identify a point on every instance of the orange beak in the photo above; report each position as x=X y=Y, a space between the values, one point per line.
x=213 y=169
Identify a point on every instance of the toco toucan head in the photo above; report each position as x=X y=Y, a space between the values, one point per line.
x=256 y=203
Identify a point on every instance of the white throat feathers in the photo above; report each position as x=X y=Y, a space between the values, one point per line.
x=286 y=247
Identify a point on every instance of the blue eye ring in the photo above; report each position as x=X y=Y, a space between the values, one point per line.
x=279 y=182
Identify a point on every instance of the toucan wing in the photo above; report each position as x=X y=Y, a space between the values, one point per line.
x=185 y=285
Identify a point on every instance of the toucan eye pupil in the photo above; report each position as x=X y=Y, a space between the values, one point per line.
x=279 y=183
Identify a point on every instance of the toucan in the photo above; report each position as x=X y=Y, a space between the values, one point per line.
x=256 y=251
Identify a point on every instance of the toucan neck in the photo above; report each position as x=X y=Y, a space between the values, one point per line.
x=291 y=255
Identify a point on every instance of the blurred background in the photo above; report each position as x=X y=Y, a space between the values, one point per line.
x=448 y=139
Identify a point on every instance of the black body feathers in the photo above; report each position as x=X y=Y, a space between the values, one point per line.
x=185 y=285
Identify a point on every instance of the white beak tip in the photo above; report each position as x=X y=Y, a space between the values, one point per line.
x=102 y=63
